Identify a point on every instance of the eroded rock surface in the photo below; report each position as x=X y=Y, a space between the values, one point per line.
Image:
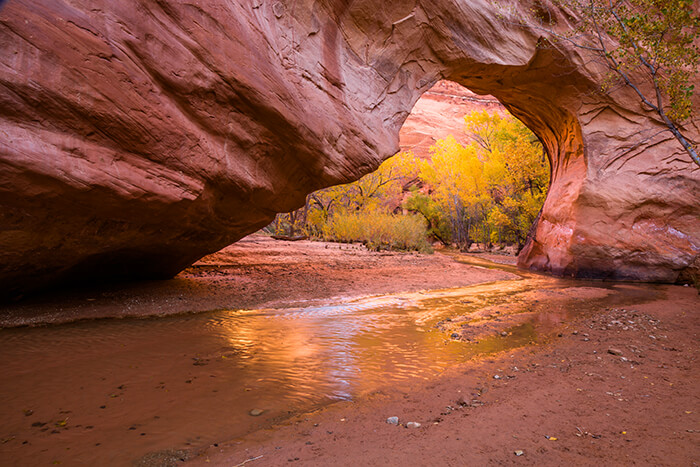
x=139 y=136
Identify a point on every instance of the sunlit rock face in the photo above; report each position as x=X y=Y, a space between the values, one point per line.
x=440 y=113
x=139 y=136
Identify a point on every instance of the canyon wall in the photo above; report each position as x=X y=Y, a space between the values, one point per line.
x=138 y=136
x=440 y=113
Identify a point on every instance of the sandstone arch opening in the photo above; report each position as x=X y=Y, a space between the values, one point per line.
x=468 y=175
x=543 y=107
x=481 y=125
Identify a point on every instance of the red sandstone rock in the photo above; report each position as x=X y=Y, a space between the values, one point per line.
x=140 y=136
x=439 y=113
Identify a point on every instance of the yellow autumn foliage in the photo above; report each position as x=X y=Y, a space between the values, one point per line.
x=488 y=191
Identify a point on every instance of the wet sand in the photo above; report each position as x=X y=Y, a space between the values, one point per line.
x=618 y=387
x=160 y=391
x=256 y=272
x=299 y=325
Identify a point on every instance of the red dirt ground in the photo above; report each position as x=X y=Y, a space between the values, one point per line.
x=618 y=387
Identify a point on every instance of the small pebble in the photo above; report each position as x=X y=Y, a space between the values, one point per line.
x=256 y=412
x=412 y=425
x=518 y=453
x=496 y=377
x=617 y=352
x=393 y=420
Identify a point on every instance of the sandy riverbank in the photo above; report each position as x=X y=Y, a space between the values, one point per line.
x=256 y=272
x=616 y=385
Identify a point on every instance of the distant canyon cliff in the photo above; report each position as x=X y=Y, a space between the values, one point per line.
x=440 y=113
x=138 y=136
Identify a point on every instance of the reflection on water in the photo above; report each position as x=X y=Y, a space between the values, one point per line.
x=80 y=393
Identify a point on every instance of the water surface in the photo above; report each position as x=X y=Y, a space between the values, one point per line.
x=107 y=392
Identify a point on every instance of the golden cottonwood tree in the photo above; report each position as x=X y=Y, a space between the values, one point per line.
x=363 y=210
x=490 y=190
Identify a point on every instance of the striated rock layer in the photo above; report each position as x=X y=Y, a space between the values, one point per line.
x=138 y=136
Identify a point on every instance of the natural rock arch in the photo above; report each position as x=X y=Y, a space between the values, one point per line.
x=139 y=136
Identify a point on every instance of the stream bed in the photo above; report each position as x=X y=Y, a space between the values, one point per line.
x=108 y=392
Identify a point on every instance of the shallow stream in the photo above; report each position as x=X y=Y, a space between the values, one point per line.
x=107 y=392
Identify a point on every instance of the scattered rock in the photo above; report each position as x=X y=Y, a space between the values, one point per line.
x=612 y=351
x=393 y=420
x=518 y=453
x=168 y=457
x=496 y=376
x=412 y=425
x=256 y=412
